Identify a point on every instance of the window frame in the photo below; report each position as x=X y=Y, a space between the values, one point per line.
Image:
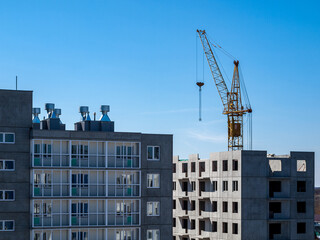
x=235 y=186
x=153 y=157
x=3 y=224
x=7 y=200
x=4 y=137
x=153 y=209
x=224 y=227
x=214 y=166
x=224 y=207
x=214 y=186
x=235 y=228
x=235 y=207
x=225 y=186
x=193 y=185
x=4 y=164
x=153 y=233
x=225 y=167
x=235 y=165
x=153 y=179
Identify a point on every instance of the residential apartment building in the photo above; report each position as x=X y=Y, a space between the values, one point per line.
x=246 y=195
x=88 y=183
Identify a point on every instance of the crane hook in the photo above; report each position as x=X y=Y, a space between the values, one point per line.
x=200 y=84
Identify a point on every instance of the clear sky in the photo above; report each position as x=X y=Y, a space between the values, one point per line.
x=139 y=57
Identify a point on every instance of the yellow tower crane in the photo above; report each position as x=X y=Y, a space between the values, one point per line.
x=232 y=102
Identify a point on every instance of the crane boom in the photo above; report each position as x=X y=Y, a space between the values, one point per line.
x=215 y=70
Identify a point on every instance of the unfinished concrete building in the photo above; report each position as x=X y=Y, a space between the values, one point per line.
x=246 y=195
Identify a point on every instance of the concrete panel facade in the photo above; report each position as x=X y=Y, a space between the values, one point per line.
x=273 y=194
x=15 y=117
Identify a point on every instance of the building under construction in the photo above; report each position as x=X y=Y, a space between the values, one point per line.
x=246 y=195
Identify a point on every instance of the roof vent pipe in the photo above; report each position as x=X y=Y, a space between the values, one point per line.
x=57 y=113
x=36 y=112
x=105 y=109
x=84 y=110
x=50 y=107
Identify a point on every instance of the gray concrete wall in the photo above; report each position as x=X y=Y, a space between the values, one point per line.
x=162 y=194
x=15 y=116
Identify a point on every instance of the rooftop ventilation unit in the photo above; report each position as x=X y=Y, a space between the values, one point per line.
x=57 y=112
x=105 y=109
x=84 y=111
x=36 y=112
x=50 y=110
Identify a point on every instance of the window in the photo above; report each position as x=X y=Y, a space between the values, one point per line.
x=225 y=186
x=6 y=225
x=184 y=205
x=214 y=226
x=274 y=228
x=36 y=148
x=214 y=206
x=301 y=166
x=234 y=228
x=274 y=186
x=235 y=165
x=153 y=234
x=274 y=207
x=174 y=186
x=225 y=227
x=80 y=209
x=224 y=206
x=301 y=207
x=79 y=180
x=193 y=224
x=174 y=204
x=234 y=186
x=7 y=137
x=275 y=165
x=153 y=180
x=202 y=167
x=225 y=165
x=184 y=167
x=153 y=208
x=193 y=186
x=174 y=222
x=235 y=207
x=46 y=149
x=301 y=227
x=215 y=186
x=6 y=165
x=154 y=153
x=193 y=167
x=193 y=205
x=6 y=195
x=214 y=166
x=301 y=186
x=79 y=235
x=46 y=209
x=185 y=223
x=174 y=168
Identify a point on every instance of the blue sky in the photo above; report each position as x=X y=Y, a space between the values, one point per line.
x=139 y=57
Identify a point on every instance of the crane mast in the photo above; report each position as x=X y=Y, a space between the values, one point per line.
x=231 y=101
